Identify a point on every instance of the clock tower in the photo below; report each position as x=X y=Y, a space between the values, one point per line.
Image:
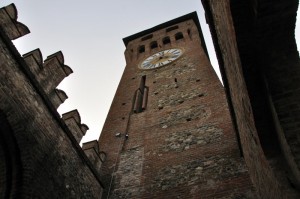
x=168 y=133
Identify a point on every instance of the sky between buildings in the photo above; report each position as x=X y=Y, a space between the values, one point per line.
x=89 y=33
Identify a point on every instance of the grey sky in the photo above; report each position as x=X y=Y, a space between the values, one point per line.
x=89 y=33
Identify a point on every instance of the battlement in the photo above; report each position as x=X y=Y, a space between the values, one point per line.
x=9 y=23
x=91 y=149
x=49 y=73
x=43 y=146
x=73 y=121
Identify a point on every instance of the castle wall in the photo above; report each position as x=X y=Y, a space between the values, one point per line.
x=251 y=40
x=40 y=158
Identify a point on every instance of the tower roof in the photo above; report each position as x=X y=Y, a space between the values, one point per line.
x=192 y=15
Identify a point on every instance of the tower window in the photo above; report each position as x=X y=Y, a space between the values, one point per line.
x=171 y=28
x=147 y=37
x=178 y=36
x=153 y=45
x=140 y=97
x=141 y=49
x=166 y=40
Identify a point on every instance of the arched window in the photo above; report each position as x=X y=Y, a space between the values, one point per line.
x=141 y=49
x=153 y=44
x=166 y=40
x=178 y=36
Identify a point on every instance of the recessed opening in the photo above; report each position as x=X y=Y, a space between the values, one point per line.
x=160 y=107
x=178 y=36
x=147 y=37
x=166 y=40
x=141 y=49
x=201 y=95
x=171 y=28
x=123 y=104
x=189 y=119
x=189 y=33
x=175 y=80
x=197 y=80
x=153 y=45
x=133 y=78
x=155 y=93
x=154 y=82
x=131 y=50
x=123 y=118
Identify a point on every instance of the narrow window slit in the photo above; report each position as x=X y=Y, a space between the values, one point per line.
x=140 y=98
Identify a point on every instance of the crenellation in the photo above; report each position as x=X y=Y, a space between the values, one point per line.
x=84 y=128
x=9 y=23
x=49 y=73
x=184 y=143
x=54 y=71
x=91 y=149
x=73 y=121
x=39 y=157
x=57 y=97
x=58 y=55
x=34 y=61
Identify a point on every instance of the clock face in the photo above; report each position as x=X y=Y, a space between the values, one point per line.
x=161 y=58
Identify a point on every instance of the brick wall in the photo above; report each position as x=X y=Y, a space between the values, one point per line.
x=183 y=144
x=39 y=154
x=244 y=38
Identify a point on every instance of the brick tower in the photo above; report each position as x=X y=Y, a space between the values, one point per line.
x=168 y=133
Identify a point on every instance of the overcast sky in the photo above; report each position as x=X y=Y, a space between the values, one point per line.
x=89 y=33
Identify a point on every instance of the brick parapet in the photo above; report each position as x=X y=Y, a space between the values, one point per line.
x=9 y=23
x=91 y=149
x=58 y=97
x=73 y=121
x=34 y=118
x=49 y=73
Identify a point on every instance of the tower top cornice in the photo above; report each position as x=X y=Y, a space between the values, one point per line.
x=193 y=16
